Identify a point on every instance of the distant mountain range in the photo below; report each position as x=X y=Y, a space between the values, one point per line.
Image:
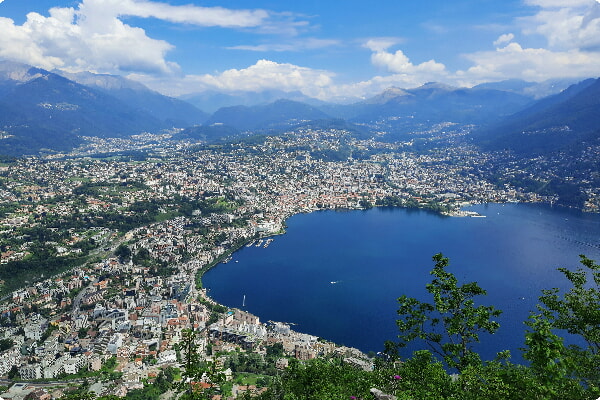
x=402 y=110
x=535 y=90
x=43 y=110
x=212 y=101
x=406 y=110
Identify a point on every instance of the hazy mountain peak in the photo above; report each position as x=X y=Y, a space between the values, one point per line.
x=536 y=90
x=387 y=95
x=176 y=112
x=18 y=72
x=394 y=90
x=104 y=81
x=435 y=85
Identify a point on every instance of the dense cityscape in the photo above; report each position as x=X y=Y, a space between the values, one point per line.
x=102 y=255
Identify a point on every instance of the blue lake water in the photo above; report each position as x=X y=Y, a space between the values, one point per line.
x=338 y=274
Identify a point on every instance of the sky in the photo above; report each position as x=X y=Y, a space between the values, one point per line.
x=331 y=50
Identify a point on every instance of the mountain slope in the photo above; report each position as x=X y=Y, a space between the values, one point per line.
x=559 y=122
x=175 y=112
x=40 y=109
x=54 y=101
x=535 y=90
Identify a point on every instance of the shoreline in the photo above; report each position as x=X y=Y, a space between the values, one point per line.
x=477 y=215
x=228 y=254
x=233 y=250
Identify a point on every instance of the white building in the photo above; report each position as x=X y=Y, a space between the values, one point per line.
x=115 y=342
x=73 y=365
x=35 y=327
x=8 y=359
x=31 y=371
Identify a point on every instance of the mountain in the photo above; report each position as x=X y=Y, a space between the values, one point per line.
x=277 y=115
x=557 y=123
x=13 y=74
x=390 y=94
x=212 y=101
x=536 y=90
x=172 y=111
x=439 y=103
x=403 y=111
x=43 y=110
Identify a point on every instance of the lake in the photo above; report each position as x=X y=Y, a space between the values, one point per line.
x=338 y=274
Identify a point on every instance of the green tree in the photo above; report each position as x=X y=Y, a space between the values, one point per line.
x=550 y=363
x=320 y=379
x=275 y=350
x=82 y=333
x=452 y=323
x=197 y=370
x=123 y=252
x=6 y=344
x=577 y=312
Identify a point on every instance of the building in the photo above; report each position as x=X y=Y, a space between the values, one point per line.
x=31 y=371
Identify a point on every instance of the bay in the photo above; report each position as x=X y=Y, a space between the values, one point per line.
x=338 y=274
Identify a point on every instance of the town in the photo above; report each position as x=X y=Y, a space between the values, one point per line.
x=123 y=240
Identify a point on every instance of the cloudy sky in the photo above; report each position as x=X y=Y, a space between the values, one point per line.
x=326 y=49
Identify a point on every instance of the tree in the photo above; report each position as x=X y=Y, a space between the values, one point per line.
x=452 y=323
x=550 y=364
x=123 y=252
x=275 y=350
x=6 y=344
x=578 y=313
x=201 y=378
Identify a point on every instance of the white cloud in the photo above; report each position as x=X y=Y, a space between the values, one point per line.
x=267 y=74
x=514 y=61
x=76 y=41
x=382 y=43
x=435 y=28
x=558 y=3
x=399 y=63
x=503 y=39
x=188 y=14
x=263 y=75
x=572 y=31
x=566 y=26
x=94 y=37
